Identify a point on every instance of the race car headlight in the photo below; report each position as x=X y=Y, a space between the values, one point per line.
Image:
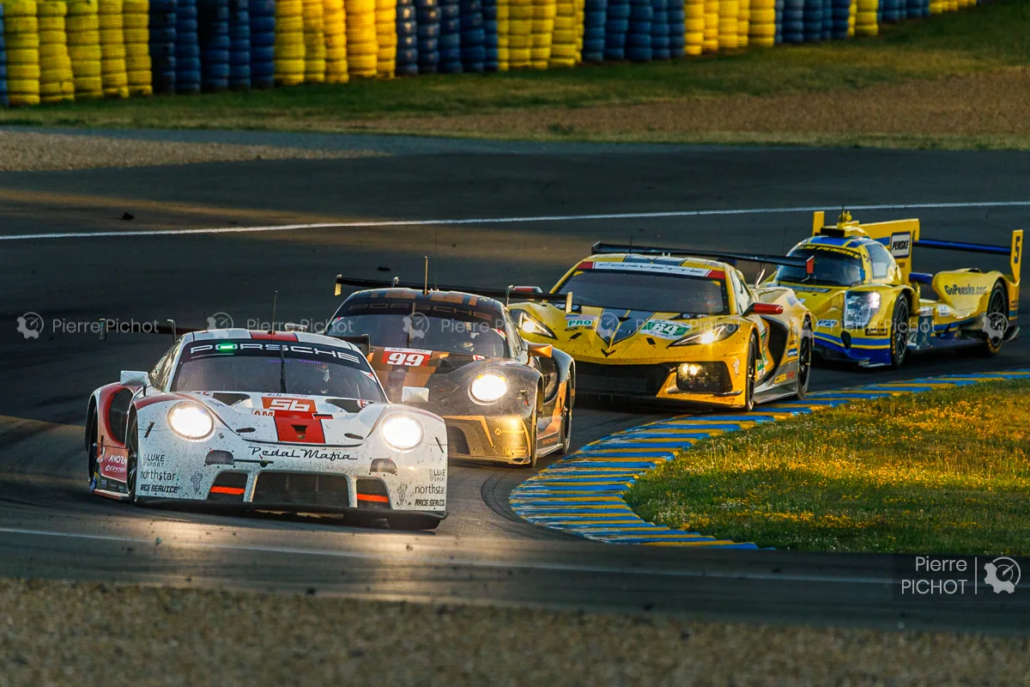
x=859 y=308
x=402 y=432
x=190 y=420
x=528 y=325
x=709 y=336
x=487 y=388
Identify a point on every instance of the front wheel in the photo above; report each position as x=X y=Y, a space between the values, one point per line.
x=752 y=370
x=804 y=362
x=566 y=429
x=996 y=321
x=531 y=439
x=92 y=448
x=131 y=460
x=899 y=332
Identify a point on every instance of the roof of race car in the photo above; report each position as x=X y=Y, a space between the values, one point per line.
x=237 y=333
x=469 y=300
x=631 y=262
x=854 y=243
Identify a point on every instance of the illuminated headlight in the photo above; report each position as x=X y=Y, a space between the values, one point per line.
x=489 y=387
x=529 y=326
x=690 y=370
x=190 y=420
x=402 y=432
x=709 y=336
x=859 y=308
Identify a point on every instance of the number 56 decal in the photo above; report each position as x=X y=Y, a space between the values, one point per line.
x=406 y=357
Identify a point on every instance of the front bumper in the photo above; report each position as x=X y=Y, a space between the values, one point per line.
x=845 y=346
x=713 y=384
x=491 y=438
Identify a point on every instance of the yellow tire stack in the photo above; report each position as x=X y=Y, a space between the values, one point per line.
x=581 y=10
x=762 y=28
x=335 y=42
x=711 y=42
x=694 y=25
x=362 y=45
x=520 y=33
x=113 y=70
x=729 y=11
x=386 y=38
x=83 y=28
x=744 y=23
x=865 y=19
x=137 y=46
x=852 y=18
x=313 y=12
x=952 y=5
x=563 y=44
x=289 y=42
x=56 y=81
x=21 y=34
x=503 y=35
x=544 y=12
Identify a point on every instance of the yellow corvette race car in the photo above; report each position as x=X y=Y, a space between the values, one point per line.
x=667 y=324
x=872 y=309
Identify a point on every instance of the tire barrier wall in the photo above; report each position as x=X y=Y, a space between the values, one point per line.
x=60 y=50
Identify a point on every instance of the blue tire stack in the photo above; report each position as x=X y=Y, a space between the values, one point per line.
x=840 y=10
x=162 y=45
x=213 y=30
x=3 y=63
x=262 y=43
x=638 y=42
x=427 y=13
x=615 y=30
x=793 y=21
x=917 y=8
x=660 y=29
x=492 y=63
x=473 y=54
x=407 y=39
x=779 y=21
x=677 y=30
x=239 y=45
x=595 y=16
x=812 y=18
x=450 y=36
x=187 y=48
x=827 y=20
x=890 y=10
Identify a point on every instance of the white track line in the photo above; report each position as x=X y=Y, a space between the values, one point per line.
x=450 y=561
x=501 y=220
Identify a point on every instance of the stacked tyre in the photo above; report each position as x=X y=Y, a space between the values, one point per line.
x=314 y=41
x=113 y=70
x=473 y=37
x=638 y=37
x=891 y=10
x=187 y=48
x=660 y=29
x=450 y=37
x=779 y=21
x=407 y=39
x=794 y=21
x=595 y=16
x=162 y=45
x=386 y=38
x=240 y=42
x=427 y=15
x=694 y=27
x=677 y=29
x=213 y=34
x=563 y=44
x=828 y=19
x=362 y=48
x=21 y=36
x=581 y=12
x=852 y=17
x=262 y=42
x=615 y=30
x=544 y=12
x=56 y=81
x=729 y=15
x=711 y=40
x=289 y=42
x=520 y=33
x=762 y=29
x=743 y=23
x=490 y=53
x=812 y=17
x=865 y=19
x=840 y=12
x=335 y=22
x=503 y=35
x=83 y=30
x=137 y=47
x=3 y=62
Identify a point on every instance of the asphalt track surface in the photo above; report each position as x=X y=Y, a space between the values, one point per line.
x=50 y=527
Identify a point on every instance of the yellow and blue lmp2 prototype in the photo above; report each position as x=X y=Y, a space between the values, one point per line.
x=667 y=324
x=870 y=308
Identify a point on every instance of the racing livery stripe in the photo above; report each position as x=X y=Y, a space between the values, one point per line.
x=574 y=495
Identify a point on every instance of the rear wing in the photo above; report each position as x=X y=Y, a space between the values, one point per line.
x=808 y=264
x=507 y=294
x=1014 y=250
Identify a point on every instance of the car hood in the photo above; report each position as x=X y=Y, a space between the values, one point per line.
x=825 y=302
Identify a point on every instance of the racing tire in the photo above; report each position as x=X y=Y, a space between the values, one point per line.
x=532 y=443
x=412 y=521
x=92 y=434
x=998 y=306
x=566 y=430
x=749 y=381
x=131 y=460
x=804 y=361
x=899 y=332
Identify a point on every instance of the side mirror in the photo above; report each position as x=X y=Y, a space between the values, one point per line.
x=764 y=309
x=133 y=378
x=540 y=350
x=568 y=303
x=525 y=289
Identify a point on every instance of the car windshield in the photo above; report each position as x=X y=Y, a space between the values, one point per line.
x=429 y=326
x=648 y=291
x=829 y=268
x=262 y=367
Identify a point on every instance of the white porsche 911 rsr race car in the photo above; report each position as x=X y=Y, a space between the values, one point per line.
x=267 y=421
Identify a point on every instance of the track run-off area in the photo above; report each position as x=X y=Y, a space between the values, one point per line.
x=220 y=239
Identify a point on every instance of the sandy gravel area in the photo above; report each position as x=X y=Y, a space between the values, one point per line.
x=25 y=151
x=55 y=633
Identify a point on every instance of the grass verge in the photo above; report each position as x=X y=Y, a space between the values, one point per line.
x=943 y=471
x=758 y=96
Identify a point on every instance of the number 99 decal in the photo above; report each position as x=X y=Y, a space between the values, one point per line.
x=405 y=357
